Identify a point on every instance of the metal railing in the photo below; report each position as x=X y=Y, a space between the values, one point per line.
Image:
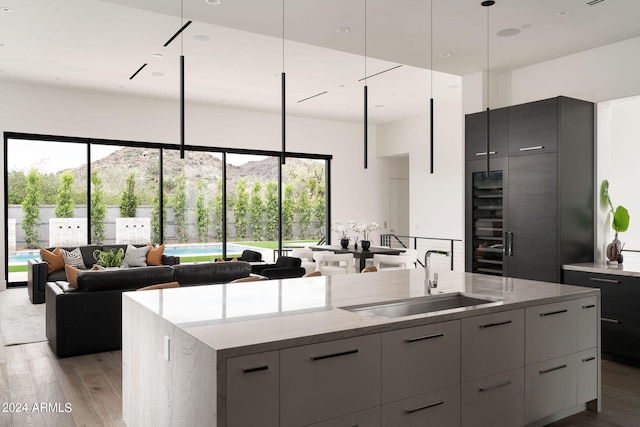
x=423 y=244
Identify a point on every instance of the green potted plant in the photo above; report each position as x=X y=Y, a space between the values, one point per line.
x=619 y=223
x=110 y=258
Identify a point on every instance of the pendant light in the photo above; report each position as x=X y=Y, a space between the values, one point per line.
x=283 y=84
x=431 y=88
x=487 y=4
x=366 y=101
x=182 y=82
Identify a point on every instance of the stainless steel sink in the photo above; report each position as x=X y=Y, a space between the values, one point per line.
x=420 y=305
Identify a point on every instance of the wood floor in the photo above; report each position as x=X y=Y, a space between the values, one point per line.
x=92 y=386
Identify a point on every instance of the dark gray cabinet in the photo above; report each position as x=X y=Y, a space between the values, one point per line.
x=620 y=312
x=533 y=211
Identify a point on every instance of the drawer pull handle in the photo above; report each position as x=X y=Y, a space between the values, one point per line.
x=589 y=359
x=537 y=147
x=495 y=386
x=420 y=408
x=491 y=325
x=588 y=306
x=546 y=371
x=484 y=153
x=597 y=279
x=605 y=319
x=426 y=337
x=256 y=369
x=329 y=356
x=551 y=313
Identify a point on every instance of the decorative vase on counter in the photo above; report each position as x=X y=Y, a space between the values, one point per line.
x=613 y=250
x=344 y=243
x=366 y=244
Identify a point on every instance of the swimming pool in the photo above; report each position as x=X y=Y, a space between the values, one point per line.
x=213 y=249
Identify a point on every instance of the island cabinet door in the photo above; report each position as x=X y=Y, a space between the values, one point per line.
x=588 y=319
x=253 y=390
x=492 y=343
x=551 y=331
x=421 y=359
x=438 y=408
x=319 y=382
x=550 y=387
x=587 y=375
x=496 y=400
x=368 y=418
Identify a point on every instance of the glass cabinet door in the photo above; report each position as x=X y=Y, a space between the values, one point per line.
x=487 y=222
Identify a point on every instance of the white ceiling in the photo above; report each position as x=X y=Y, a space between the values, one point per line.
x=99 y=44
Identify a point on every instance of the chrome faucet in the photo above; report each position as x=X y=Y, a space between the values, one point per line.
x=428 y=283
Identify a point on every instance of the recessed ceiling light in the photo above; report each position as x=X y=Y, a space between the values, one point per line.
x=343 y=30
x=213 y=2
x=6 y=9
x=201 y=38
x=562 y=12
x=444 y=54
x=157 y=74
x=2 y=45
x=508 y=32
x=524 y=26
x=378 y=106
x=340 y=85
x=453 y=86
x=157 y=55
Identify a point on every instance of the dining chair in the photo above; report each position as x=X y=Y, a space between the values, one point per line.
x=306 y=255
x=393 y=262
x=335 y=264
x=370 y=269
x=318 y=255
x=313 y=274
x=246 y=279
x=160 y=286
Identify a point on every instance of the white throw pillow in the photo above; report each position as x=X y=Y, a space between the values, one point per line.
x=135 y=257
x=73 y=258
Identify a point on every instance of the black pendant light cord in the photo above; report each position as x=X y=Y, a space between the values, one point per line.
x=366 y=95
x=431 y=142
x=283 y=100
x=487 y=4
x=181 y=82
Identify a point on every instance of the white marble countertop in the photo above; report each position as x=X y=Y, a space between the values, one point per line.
x=628 y=268
x=243 y=318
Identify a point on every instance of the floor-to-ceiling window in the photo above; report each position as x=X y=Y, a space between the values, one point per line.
x=213 y=203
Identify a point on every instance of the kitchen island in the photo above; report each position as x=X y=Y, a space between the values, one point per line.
x=287 y=352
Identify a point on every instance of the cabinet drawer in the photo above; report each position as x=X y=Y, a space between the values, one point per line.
x=368 y=418
x=588 y=319
x=438 y=408
x=328 y=380
x=550 y=387
x=619 y=294
x=587 y=366
x=620 y=335
x=492 y=343
x=497 y=400
x=419 y=360
x=551 y=331
x=533 y=127
x=253 y=390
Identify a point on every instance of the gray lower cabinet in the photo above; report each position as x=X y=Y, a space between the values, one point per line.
x=368 y=418
x=438 y=408
x=322 y=381
x=496 y=400
x=550 y=387
x=253 y=383
x=507 y=368
x=421 y=359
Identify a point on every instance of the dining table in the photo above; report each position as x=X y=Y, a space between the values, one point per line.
x=359 y=253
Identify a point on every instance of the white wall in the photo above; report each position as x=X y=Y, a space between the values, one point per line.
x=436 y=200
x=76 y=113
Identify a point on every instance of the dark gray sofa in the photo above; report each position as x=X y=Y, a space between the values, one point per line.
x=37 y=275
x=89 y=319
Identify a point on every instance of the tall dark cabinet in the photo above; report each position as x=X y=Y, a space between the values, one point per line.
x=533 y=209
